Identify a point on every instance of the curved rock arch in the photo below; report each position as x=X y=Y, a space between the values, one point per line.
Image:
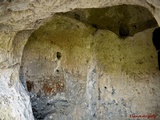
x=20 y=16
x=48 y=33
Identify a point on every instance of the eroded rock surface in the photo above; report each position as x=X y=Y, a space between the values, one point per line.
x=74 y=71
x=123 y=20
x=90 y=91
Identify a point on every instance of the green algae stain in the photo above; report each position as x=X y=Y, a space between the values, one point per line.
x=135 y=55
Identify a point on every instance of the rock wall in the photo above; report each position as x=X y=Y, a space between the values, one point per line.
x=123 y=20
x=19 y=18
x=74 y=71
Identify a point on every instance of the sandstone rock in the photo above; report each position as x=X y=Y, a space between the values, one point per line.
x=96 y=85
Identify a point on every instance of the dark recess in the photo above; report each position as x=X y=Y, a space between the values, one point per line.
x=123 y=30
x=156 y=42
x=58 y=55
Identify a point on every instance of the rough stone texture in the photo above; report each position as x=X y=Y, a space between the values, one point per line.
x=14 y=100
x=19 y=15
x=47 y=73
x=100 y=76
x=19 y=18
x=123 y=20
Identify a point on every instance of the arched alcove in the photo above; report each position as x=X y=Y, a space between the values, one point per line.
x=70 y=63
x=53 y=53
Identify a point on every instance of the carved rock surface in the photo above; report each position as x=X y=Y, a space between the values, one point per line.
x=74 y=71
x=91 y=90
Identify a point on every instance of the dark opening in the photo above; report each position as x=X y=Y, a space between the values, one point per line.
x=156 y=42
x=57 y=71
x=77 y=17
x=58 y=55
x=123 y=30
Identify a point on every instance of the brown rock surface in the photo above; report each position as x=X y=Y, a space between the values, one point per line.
x=98 y=76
